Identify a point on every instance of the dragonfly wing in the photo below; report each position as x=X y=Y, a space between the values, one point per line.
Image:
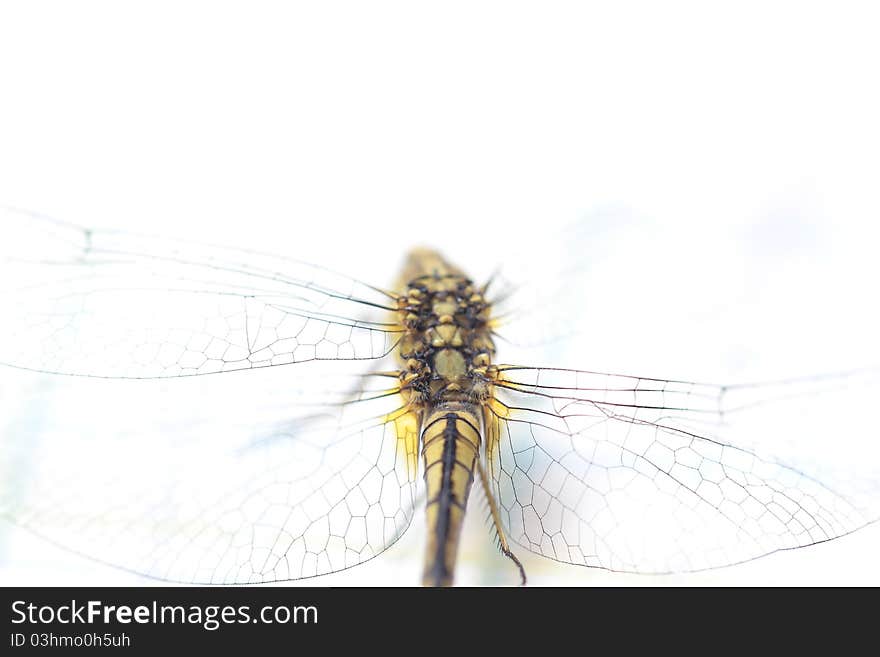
x=539 y=300
x=618 y=290
x=208 y=497
x=110 y=304
x=651 y=476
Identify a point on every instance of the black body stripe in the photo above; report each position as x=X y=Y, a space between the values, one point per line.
x=439 y=569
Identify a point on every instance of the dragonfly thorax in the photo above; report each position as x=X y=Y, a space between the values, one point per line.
x=447 y=344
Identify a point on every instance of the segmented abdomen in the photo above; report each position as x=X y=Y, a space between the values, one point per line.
x=450 y=446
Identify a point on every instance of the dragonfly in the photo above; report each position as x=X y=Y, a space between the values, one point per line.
x=225 y=416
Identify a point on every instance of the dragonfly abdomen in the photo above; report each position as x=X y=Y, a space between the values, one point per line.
x=450 y=447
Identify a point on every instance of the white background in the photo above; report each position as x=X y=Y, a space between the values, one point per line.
x=743 y=138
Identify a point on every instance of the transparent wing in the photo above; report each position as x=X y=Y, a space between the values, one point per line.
x=202 y=480
x=617 y=291
x=110 y=304
x=552 y=290
x=653 y=476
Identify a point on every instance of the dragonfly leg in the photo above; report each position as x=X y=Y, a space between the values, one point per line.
x=496 y=521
